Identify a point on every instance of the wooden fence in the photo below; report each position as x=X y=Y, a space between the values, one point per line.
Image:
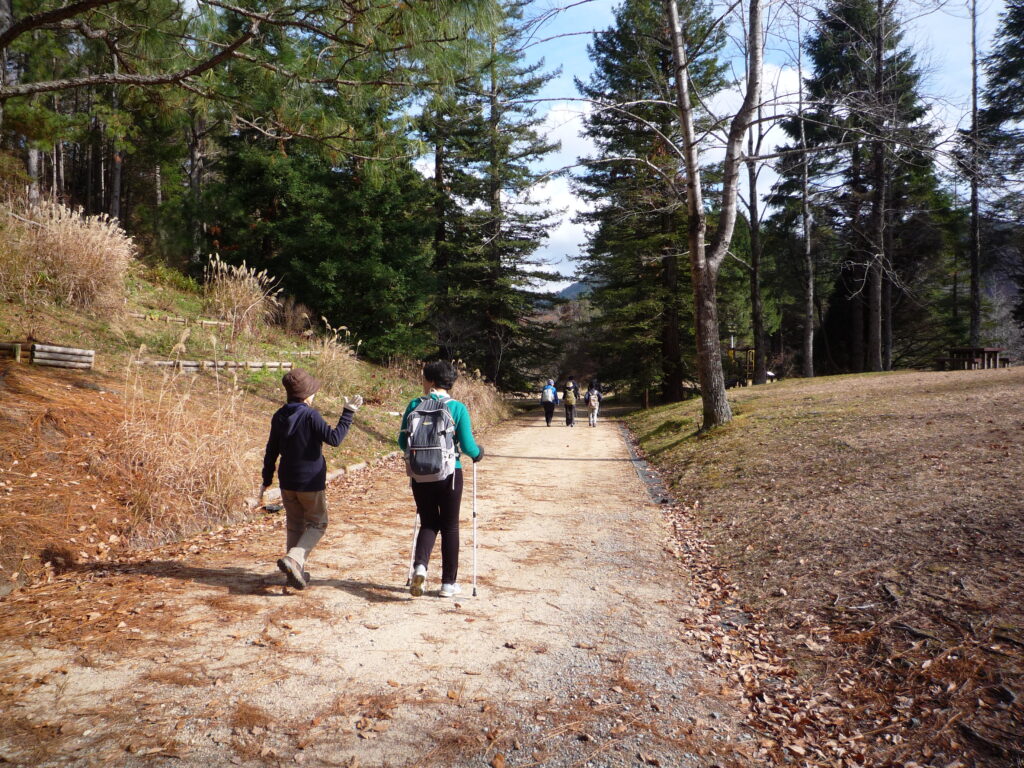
x=48 y=354
x=228 y=365
x=175 y=320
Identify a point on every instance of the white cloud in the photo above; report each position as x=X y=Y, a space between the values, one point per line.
x=564 y=123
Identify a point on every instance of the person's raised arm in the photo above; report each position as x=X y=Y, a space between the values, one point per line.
x=323 y=430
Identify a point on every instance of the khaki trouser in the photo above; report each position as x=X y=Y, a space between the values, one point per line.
x=306 y=521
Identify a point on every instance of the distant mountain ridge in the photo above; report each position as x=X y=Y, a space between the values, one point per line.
x=575 y=290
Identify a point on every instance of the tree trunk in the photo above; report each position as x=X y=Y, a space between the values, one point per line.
x=116 y=163
x=116 y=176
x=756 y=306
x=671 y=347
x=886 y=323
x=196 y=163
x=975 y=327
x=33 y=174
x=956 y=285
x=876 y=261
x=805 y=216
x=857 y=350
x=6 y=22
x=875 y=264
x=704 y=265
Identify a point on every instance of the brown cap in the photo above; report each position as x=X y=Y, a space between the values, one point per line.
x=299 y=384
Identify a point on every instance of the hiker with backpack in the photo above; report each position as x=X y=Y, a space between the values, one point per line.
x=549 y=399
x=435 y=430
x=570 y=398
x=297 y=432
x=593 y=400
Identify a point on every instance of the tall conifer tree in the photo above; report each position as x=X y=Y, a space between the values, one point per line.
x=488 y=148
x=865 y=129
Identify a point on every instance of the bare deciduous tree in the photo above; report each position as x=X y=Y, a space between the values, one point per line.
x=706 y=257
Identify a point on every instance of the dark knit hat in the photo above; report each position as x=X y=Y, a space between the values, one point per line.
x=299 y=384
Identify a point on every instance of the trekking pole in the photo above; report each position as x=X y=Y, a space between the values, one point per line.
x=412 y=548
x=474 y=529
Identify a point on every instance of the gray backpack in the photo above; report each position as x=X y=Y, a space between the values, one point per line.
x=430 y=454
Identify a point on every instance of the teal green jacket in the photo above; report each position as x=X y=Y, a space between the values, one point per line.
x=464 y=442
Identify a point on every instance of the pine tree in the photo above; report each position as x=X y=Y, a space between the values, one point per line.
x=485 y=137
x=865 y=126
x=641 y=293
x=1002 y=119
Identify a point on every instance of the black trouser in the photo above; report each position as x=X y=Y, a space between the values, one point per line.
x=549 y=411
x=438 y=505
x=570 y=415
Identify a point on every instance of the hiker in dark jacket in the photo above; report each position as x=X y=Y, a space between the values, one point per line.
x=570 y=397
x=438 y=502
x=297 y=432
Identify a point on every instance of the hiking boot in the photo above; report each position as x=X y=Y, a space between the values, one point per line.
x=449 y=590
x=418 y=577
x=293 y=572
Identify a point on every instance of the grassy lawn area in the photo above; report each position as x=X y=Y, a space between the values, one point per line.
x=875 y=524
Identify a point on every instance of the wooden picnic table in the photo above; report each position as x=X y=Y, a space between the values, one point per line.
x=974 y=358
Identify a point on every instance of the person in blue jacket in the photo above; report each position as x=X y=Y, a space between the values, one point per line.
x=438 y=503
x=548 y=400
x=297 y=432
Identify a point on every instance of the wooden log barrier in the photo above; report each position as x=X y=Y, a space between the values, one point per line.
x=67 y=356
x=177 y=320
x=63 y=364
x=11 y=349
x=224 y=365
x=62 y=357
x=65 y=350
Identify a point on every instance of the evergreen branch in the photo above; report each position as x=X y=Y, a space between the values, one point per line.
x=319 y=31
x=279 y=132
x=37 y=20
x=78 y=25
x=112 y=78
x=290 y=75
x=633 y=116
x=270 y=20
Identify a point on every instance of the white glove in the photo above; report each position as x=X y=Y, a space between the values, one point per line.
x=354 y=404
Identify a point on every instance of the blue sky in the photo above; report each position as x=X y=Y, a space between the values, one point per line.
x=939 y=34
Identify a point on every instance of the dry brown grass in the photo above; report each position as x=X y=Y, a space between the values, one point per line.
x=335 y=361
x=176 y=461
x=294 y=317
x=52 y=253
x=485 y=403
x=244 y=296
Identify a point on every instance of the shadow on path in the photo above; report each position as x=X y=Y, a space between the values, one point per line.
x=552 y=458
x=240 y=581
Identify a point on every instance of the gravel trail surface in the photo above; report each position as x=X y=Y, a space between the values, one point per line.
x=573 y=653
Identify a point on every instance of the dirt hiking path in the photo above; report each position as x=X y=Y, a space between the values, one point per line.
x=571 y=655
